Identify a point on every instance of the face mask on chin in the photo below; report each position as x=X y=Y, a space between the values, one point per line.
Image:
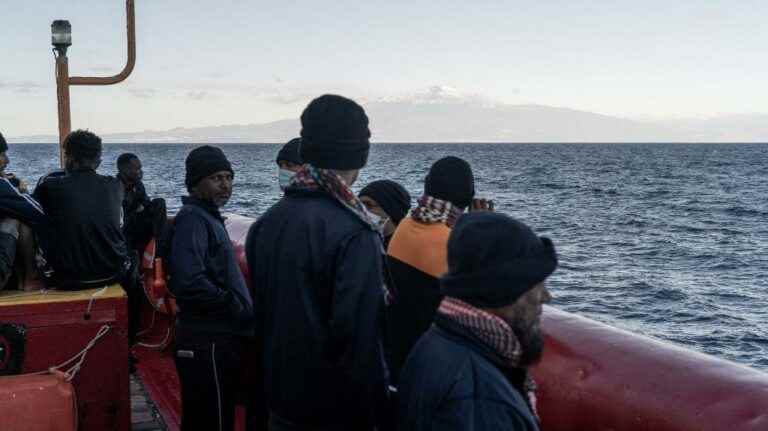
x=379 y=221
x=284 y=177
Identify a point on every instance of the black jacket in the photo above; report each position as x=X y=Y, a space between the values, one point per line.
x=204 y=276
x=449 y=383
x=82 y=239
x=317 y=276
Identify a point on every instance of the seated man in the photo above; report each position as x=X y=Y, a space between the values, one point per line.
x=469 y=371
x=143 y=218
x=389 y=202
x=288 y=162
x=83 y=240
x=18 y=213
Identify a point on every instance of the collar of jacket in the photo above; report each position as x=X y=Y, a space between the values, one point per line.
x=207 y=206
x=516 y=376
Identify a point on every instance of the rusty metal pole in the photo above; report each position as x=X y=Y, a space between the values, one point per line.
x=62 y=96
x=63 y=80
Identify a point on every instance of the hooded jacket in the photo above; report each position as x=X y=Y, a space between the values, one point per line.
x=316 y=271
x=204 y=275
x=450 y=382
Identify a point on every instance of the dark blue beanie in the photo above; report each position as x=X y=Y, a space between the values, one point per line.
x=290 y=152
x=3 y=144
x=494 y=259
x=393 y=198
x=204 y=161
x=451 y=179
x=334 y=133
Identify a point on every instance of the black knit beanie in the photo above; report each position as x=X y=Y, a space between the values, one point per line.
x=204 y=161
x=494 y=259
x=451 y=179
x=334 y=134
x=3 y=144
x=393 y=198
x=290 y=152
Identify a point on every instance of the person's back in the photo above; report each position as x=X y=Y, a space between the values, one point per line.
x=470 y=369
x=310 y=323
x=316 y=269
x=453 y=385
x=417 y=255
x=83 y=242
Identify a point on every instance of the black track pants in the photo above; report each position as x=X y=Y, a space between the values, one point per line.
x=209 y=369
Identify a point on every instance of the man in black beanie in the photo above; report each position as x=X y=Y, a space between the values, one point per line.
x=288 y=162
x=416 y=255
x=469 y=370
x=389 y=202
x=215 y=308
x=315 y=261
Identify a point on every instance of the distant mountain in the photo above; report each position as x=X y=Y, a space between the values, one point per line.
x=459 y=120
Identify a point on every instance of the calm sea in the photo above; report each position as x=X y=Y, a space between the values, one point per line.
x=665 y=240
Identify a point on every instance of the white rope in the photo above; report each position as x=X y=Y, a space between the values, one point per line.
x=94 y=295
x=80 y=357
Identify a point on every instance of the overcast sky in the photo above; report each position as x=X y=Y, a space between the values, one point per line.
x=236 y=62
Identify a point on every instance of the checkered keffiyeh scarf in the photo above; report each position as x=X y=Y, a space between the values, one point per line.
x=313 y=178
x=494 y=332
x=432 y=210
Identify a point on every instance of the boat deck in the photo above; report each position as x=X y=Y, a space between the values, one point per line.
x=144 y=414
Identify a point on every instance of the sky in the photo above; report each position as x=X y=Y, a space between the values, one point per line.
x=205 y=63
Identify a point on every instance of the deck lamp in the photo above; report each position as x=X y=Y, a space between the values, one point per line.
x=61 y=35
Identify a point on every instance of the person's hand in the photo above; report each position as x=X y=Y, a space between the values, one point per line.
x=23 y=188
x=481 y=205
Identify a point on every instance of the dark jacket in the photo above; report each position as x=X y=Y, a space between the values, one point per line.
x=450 y=383
x=21 y=206
x=204 y=276
x=316 y=270
x=83 y=238
x=416 y=258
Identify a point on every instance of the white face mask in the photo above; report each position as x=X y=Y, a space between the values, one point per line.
x=379 y=221
x=284 y=177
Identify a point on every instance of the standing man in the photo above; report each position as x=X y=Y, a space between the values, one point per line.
x=417 y=253
x=389 y=202
x=215 y=308
x=470 y=369
x=144 y=218
x=289 y=162
x=316 y=265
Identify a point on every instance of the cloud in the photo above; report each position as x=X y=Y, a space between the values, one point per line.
x=441 y=94
x=199 y=95
x=282 y=96
x=142 y=93
x=21 y=87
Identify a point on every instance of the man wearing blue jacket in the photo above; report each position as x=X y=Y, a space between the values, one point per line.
x=315 y=261
x=469 y=371
x=18 y=212
x=215 y=308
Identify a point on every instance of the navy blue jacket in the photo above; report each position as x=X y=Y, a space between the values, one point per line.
x=449 y=383
x=317 y=276
x=204 y=276
x=19 y=205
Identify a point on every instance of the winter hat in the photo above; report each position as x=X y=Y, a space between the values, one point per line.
x=393 y=198
x=3 y=144
x=334 y=134
x=451 y=179
x=494 y=259
x=204 y=161
x=290 y=152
